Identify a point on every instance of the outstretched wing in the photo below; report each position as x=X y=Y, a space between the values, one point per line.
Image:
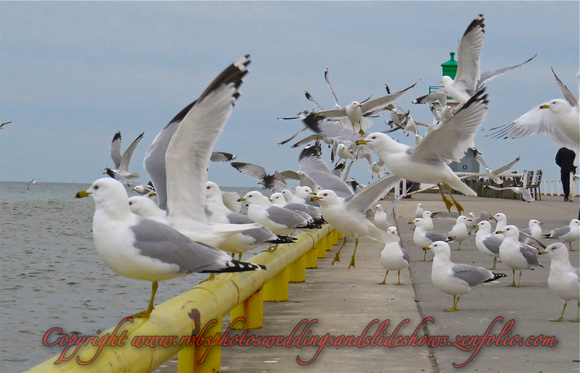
x=449 y=141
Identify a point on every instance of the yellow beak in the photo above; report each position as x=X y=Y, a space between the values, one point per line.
x=82 y=194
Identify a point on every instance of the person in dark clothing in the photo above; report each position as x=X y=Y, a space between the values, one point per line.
x=565 y=159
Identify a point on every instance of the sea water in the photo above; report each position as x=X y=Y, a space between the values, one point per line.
x=51 y=275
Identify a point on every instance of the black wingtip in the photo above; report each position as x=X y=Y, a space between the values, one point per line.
x=477 y=22
x=311 y=151
x=238 y=165
x=117 y=136
x=496 y=276
x=312 y=120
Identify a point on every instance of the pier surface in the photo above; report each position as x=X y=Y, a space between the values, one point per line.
x=338 y=302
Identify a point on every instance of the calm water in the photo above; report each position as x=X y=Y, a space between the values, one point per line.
x=52 y=275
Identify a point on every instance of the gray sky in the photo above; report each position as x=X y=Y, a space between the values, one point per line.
x=74 y=73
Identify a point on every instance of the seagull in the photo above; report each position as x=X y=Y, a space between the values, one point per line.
x=501 y=220
x=419 y=210
x=427 y=162
x=564 y=278
x=279 y=220
x=356 y=112
x=557 y=119
x=423 y=238
x=178 y=159
x=494 y=174
x=455 y=278
x=428 y=220
x=380 y=219
x=278 y=199
x=275 y=181
x=393 y=257
x=243 y=241
x=33 y=181
x=517 y=190
x=3 y=124
x=315 y=168
x=147 y=208
x=464 y=85
x=348 y=215
x=122 y=162
x=145 y=249
x=222 y=157
x=459 y=231
x=568 y=233
x=515 y=254
x=376 y=169
x=487 y=242
x=534 y=229
x=179 y=164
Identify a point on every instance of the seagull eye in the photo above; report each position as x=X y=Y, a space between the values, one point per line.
x=208 y=187
x=96 y=187
x=325 y=194
x=130 y=203
x=374 y=137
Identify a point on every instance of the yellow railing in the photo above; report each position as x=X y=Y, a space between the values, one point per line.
x=141 y=345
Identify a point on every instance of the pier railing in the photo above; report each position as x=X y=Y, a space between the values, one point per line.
x=190 y=324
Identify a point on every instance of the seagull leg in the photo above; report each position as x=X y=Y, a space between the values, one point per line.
x=458 y=206
x=240 y=256
x=145 y=314
x=448 y=203
x=271 y=249
x=211 y=277
x=519 y=279
x=384 y=280
x=337 y=255
x=353 y=253
x=513 y=284
x=399 y=278
x=562 y=314
x=577 y=319
x=455 y=301
x=494 y=262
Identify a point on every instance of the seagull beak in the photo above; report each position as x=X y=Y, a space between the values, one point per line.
x=544 y=106
x=542 y=252
x=492 y=218
x=152 y=194
x=500 y=232
x=315 y=198
x=82 y=194
x=360 y=142
x=411 y=222
x=241 y=199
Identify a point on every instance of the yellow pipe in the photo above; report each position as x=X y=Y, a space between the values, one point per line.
x=180 y=317
x=321 y=246
x=276 y=290
x=249 y=314
x=297 y=270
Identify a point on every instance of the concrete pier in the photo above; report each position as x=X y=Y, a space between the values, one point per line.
x=340 y=303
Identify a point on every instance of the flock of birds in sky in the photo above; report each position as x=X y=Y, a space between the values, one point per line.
x=184 y=223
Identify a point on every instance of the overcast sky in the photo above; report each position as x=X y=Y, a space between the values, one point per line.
x=74 y=73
